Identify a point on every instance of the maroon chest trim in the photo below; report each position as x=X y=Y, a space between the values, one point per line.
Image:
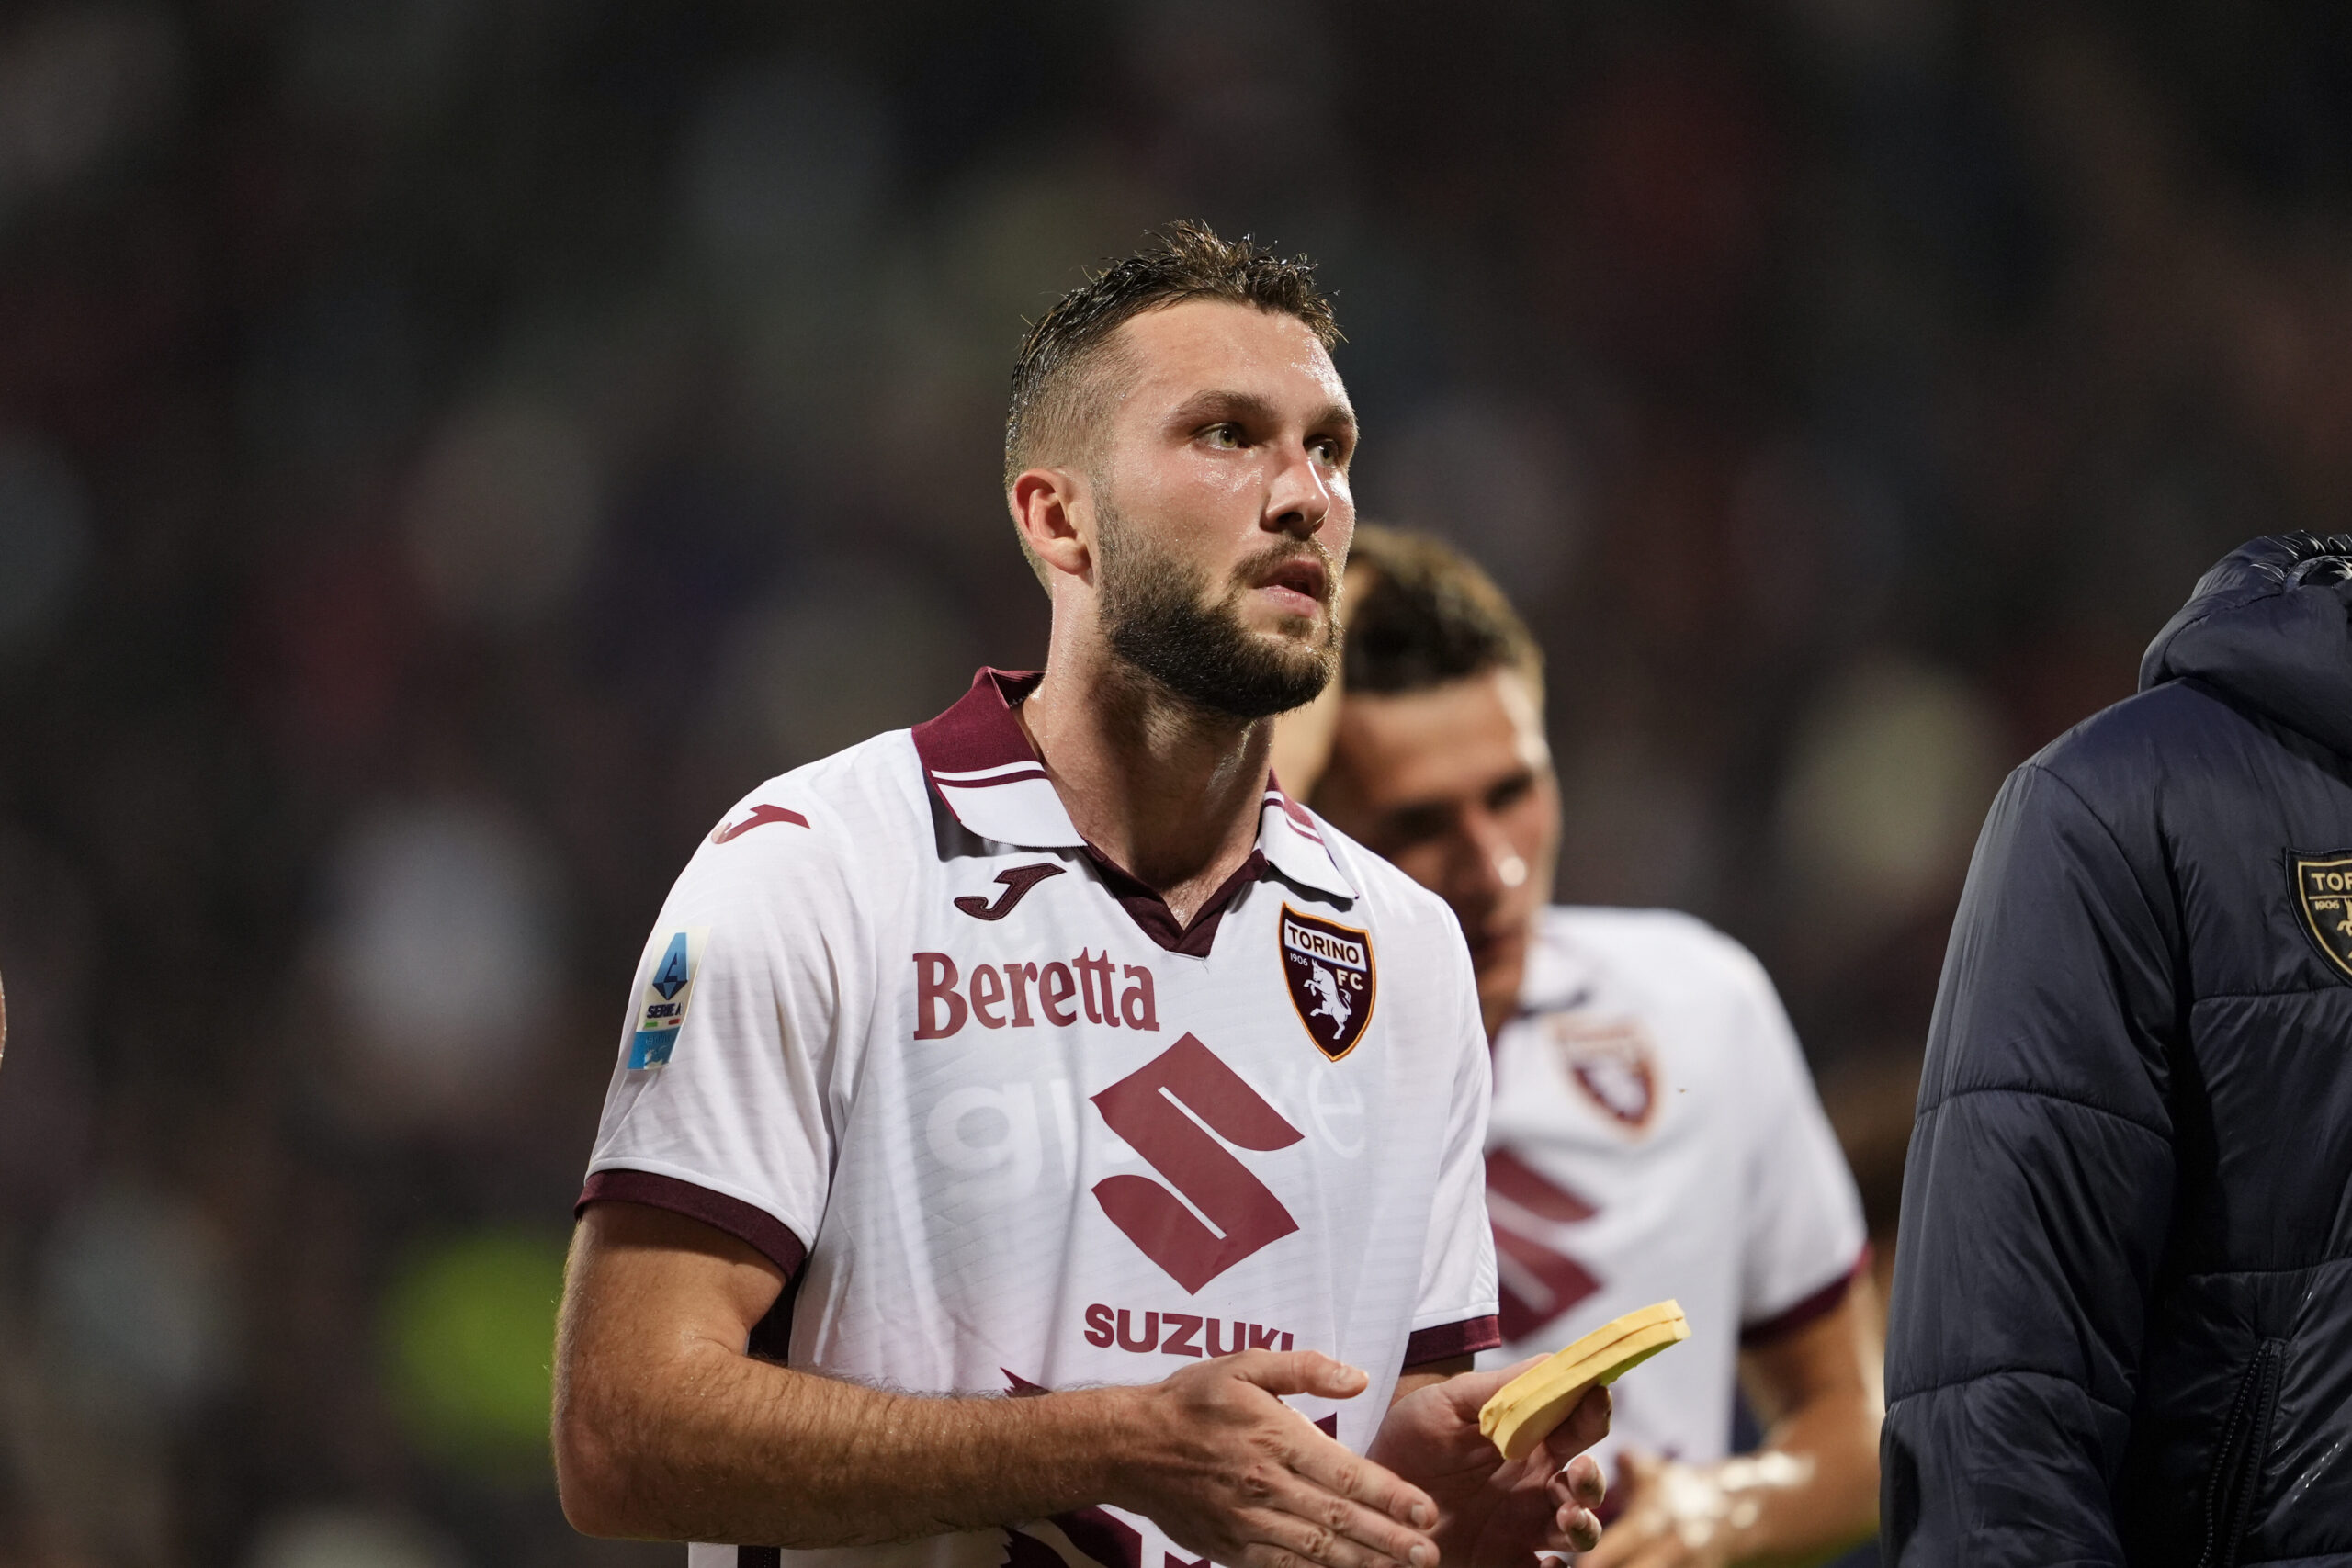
x=981 y=733
x=1150 y=912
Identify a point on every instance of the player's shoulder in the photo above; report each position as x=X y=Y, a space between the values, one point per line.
x=1667 y=947
x=857 y=812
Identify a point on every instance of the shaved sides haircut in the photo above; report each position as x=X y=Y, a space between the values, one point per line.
x=1056 y=374
x=1421 y=614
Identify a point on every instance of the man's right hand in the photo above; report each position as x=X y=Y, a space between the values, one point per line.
x=1230 y=1472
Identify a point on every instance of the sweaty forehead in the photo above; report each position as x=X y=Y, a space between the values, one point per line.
x=1216 y=344
x=1452 y=741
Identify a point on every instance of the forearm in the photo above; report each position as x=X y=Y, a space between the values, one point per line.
x=1811 y=1492
x=665 y=1427
x=719 y=1447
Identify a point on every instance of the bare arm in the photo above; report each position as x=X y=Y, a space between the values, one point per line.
x=1809 y=1493
x=666 y=1429
x=1820 y=1395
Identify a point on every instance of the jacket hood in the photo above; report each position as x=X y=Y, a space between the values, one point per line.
x=2271 y=626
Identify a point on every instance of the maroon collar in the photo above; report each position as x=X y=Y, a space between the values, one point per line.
x=978 y=761
x=979 y=734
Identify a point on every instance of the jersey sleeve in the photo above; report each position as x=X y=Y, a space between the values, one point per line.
x=719 y=1105
x=1804 y=1229
x=1456 y=1312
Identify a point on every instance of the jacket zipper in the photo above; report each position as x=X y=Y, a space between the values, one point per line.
x=2237 y=1459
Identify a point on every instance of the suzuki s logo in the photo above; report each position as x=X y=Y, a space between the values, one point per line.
x=1162 y=1110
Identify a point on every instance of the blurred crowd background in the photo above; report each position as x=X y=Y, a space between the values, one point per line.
x=450 y=449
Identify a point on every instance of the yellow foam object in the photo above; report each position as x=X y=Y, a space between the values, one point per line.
x=1524 y=1411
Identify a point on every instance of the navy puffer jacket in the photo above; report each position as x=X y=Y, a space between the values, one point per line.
x=2122 y=1315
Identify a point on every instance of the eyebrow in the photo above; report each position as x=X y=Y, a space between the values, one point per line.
x=1248 y=405
x=1516 y=777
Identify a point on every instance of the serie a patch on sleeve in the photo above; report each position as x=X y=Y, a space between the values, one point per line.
x=661 y=1005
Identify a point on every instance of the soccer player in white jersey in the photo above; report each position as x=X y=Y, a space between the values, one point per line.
x=1049 y=1049
x=1655 y=1131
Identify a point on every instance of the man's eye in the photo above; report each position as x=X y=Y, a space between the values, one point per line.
x=1511 y=792
x=1416 y=825
x=1328 y=448
x=1224 y=437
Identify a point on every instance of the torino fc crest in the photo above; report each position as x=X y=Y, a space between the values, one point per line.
x=2324 y=895
x=1331 y=980
x=1612 y=1060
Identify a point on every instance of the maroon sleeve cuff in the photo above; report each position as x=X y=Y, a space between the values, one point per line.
x=1822 y=1303
x=756 y=1228
x=1448 y=1340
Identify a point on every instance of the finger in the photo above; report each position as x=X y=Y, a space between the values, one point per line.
x=1273 y=1553
x=1316 y=1527
x=1343 y=1473
x=1585 y=1425
x=1613 y=1550
x=1627 y=1540
x=1581 y=1526
x=1469 y=1391
x=1298 y=1371
x=1581 y=1484
x=1600 y=1556
x=1573 y=1528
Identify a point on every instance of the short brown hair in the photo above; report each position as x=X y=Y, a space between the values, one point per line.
x=1184 y=261
x=1421 y=614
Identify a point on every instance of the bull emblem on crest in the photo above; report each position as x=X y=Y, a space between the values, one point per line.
x=1329 y=968
x=1331 y=1001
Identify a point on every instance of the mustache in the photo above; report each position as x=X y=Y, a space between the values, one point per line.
x=1260 y=567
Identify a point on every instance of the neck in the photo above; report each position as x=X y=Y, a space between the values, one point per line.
x=1168 y=790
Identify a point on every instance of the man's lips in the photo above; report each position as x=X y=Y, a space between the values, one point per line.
x=1485 y=941
x=1302 y=579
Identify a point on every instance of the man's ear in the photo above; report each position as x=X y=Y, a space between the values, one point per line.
x=1046 y=506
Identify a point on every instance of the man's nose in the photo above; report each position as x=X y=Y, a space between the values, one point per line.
x=1301 y=497
x=1486 y=866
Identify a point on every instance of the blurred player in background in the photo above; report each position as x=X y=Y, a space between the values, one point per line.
x=914 y=1089
x=1655 y=1131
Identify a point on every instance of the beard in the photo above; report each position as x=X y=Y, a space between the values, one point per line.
x=1159 y=619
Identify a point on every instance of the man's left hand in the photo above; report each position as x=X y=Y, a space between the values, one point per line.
x=1494 y=1513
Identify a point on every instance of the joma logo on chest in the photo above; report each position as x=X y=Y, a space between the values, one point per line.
x=1023 y=995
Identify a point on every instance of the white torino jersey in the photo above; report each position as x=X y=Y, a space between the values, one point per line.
x=1007 y=1126
x=1656 y=1133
